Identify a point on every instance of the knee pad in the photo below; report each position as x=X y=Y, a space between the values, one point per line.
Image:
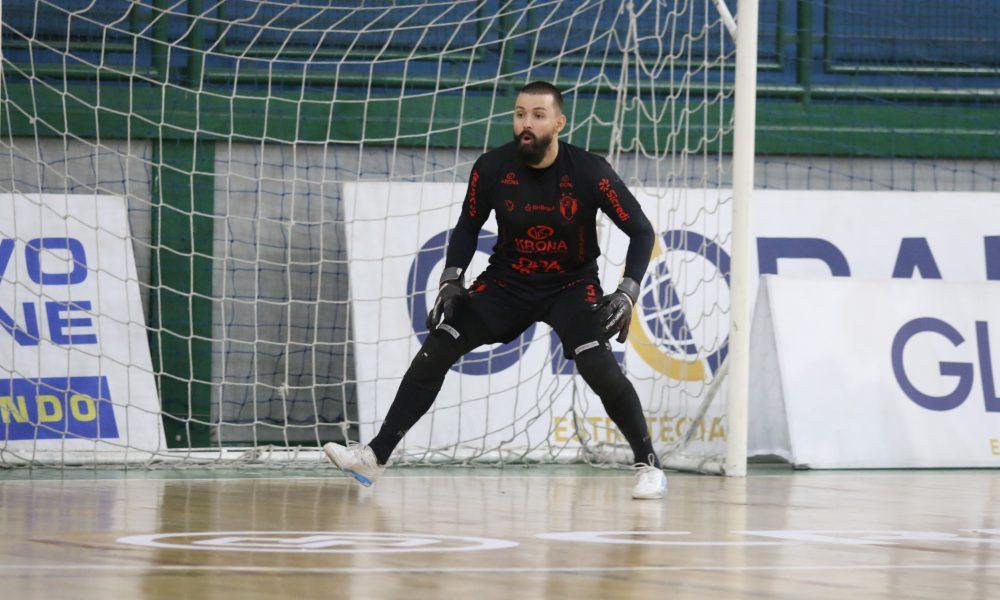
x=440 y=351
x=598 y=367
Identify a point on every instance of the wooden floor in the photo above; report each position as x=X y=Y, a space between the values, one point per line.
x=552 y=532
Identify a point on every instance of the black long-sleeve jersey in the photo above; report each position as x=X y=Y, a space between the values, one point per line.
x=547 y=217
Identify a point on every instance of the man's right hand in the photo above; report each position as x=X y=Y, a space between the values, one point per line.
x=449 y=295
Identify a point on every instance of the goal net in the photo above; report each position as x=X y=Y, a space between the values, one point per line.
x=222 y=221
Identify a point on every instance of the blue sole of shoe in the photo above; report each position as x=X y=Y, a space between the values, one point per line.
x=361 y=478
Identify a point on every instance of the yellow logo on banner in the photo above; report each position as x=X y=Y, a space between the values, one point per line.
x=672 y=361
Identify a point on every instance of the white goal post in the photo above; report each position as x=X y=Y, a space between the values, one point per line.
x=744 y=122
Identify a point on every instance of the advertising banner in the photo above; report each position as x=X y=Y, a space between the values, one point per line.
x=522 y=396
x=876 y=374
x=75 y=370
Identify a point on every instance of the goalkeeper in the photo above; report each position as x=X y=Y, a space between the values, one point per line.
x=546 y=194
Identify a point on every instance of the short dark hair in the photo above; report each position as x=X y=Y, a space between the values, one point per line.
x=544 y=87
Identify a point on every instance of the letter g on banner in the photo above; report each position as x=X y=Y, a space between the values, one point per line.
x=963 y=371
x=473 y=363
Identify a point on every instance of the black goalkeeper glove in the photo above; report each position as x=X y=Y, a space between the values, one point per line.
x=450 y=293
x=615 y=310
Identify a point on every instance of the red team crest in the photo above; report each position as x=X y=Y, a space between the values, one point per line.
x=567 y=207
x=509 y=204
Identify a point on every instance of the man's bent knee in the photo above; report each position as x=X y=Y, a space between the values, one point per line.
x=598 y=367
x=440 y=351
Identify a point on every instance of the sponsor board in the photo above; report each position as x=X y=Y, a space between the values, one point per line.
x=876 y=374
x=522 y=395
x=75 y=370
x=518 y=395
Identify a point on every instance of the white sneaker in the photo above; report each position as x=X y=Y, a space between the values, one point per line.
x=356 y=460
x=650 y=483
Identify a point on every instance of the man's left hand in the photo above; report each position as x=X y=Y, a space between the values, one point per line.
x=615 y=309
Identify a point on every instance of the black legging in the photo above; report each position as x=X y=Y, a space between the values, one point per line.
x=423 y=380
x=600 y=370
x=420 y=386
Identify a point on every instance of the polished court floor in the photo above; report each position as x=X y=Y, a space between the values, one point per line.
x=552 y=532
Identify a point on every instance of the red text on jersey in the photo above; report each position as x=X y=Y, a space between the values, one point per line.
x=605 y=186
x=473 y=188
x=535 y=246
x=529 y=266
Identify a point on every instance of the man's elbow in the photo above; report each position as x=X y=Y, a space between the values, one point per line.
x=643 y=230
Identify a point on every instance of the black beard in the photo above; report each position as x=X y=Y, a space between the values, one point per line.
x=534 y=152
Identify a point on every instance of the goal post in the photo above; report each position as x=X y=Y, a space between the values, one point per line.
x=222 y=224
x=744 y=124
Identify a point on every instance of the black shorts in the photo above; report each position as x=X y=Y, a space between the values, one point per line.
x=498 y=309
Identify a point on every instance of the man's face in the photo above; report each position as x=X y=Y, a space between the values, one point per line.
x=537 y=121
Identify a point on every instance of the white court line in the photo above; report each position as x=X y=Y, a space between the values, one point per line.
x=334 y=475
x=405 y=570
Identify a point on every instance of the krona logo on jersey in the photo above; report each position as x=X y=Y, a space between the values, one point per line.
x=540 y=246
x=510 y=179
x=540 y=232
x=539 y=241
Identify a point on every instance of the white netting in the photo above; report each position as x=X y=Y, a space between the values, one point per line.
x=287 y=172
